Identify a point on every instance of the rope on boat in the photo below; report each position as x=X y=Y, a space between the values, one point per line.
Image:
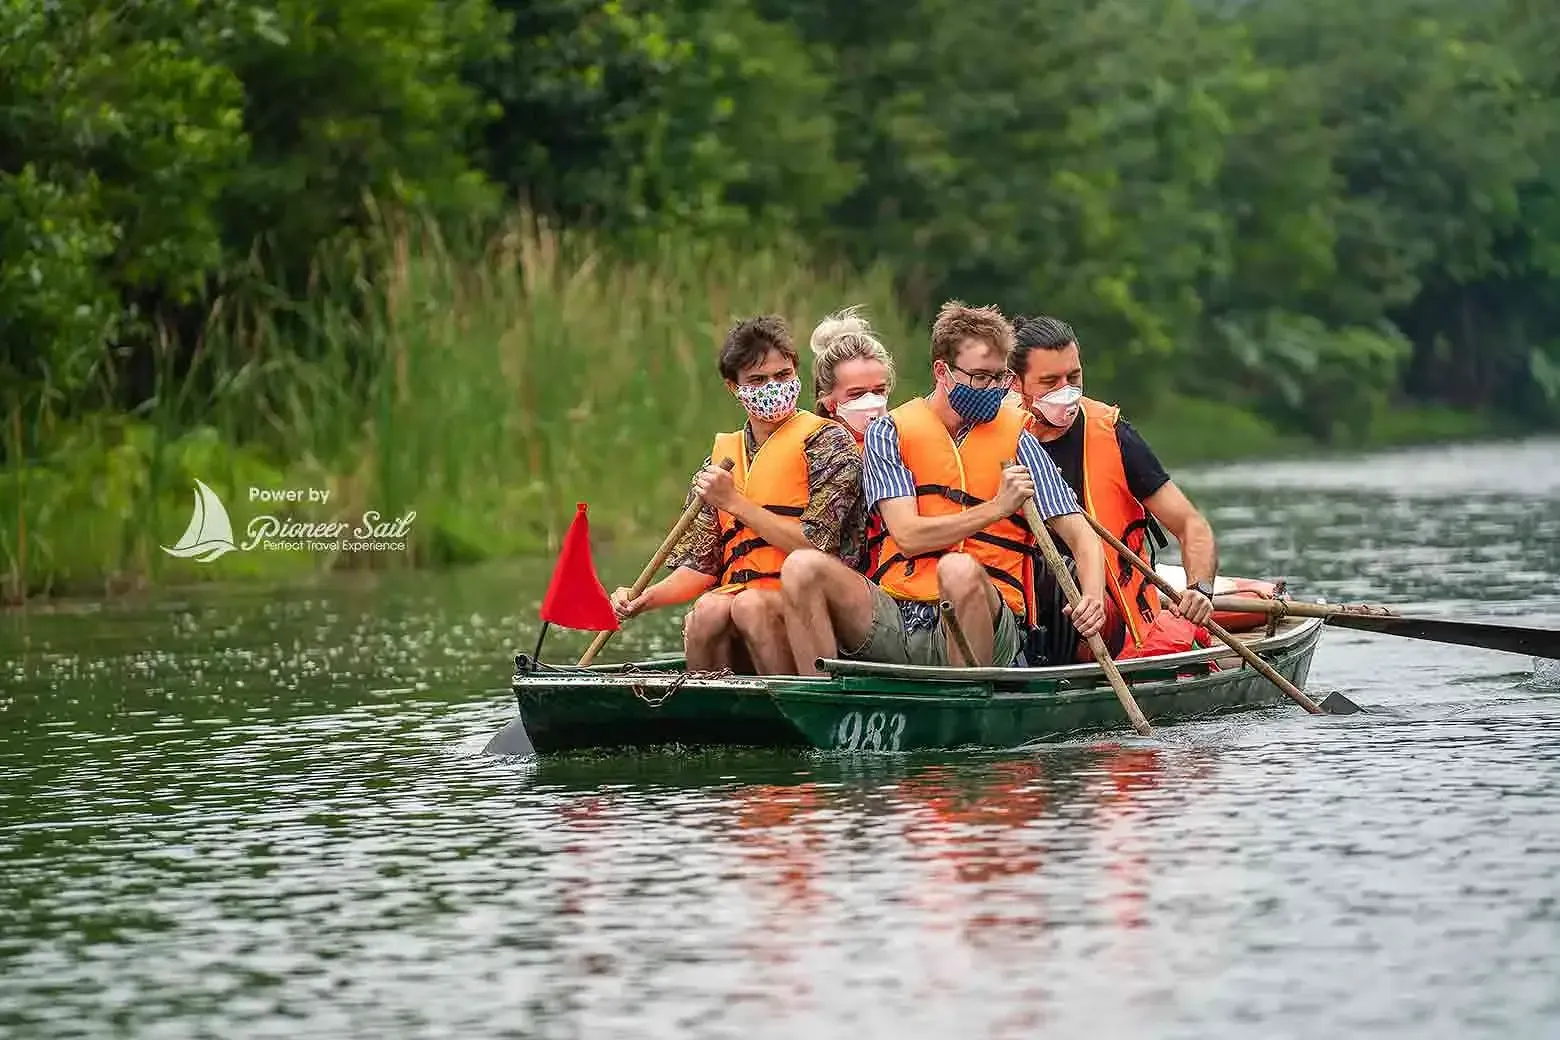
x=671 y=687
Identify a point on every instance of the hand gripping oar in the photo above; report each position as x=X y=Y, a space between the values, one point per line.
x=1053 y=560
x=1335 y=704
x=1513 y=639
x=678 y=530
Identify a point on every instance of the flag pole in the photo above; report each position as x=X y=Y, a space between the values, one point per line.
x=536 y=655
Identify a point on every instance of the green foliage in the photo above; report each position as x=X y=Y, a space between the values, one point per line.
x=128 y=134
x=699 y=116
x=1316 y=210
x=487 y=397
x=350 y=99
x=1329 y=383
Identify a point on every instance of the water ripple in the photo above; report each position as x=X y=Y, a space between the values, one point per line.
x=247 y=814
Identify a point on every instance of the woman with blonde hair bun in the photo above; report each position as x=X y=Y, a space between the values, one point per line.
x=853 y=373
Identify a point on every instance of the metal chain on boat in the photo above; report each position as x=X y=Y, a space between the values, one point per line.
x=671 y=687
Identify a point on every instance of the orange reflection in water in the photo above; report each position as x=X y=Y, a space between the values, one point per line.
x=985 y=857
x=581 y=817
x=783 y=849
x=1129 y=774
x=776 y=835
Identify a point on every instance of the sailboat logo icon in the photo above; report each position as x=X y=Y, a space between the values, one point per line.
x=210 y=533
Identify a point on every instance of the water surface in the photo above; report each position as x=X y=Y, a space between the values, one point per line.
x=263 y=813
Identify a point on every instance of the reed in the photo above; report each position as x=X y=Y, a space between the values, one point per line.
x=488 y=385
x=552 y=371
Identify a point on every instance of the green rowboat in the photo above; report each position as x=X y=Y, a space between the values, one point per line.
x=862 y=707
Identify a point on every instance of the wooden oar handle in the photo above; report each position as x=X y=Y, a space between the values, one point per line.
x=1245 y=652
x=667 y=545
x=1296 y=608
x=952 y=621
x=1053 y=560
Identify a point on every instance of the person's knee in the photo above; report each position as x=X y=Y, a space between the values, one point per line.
x=711 y=615
x=959 y=575
x=752 y=610
x=802 y=572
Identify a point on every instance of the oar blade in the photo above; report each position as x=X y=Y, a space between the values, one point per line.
x=512 y=740
x=1337 y=704
x=1513 y=639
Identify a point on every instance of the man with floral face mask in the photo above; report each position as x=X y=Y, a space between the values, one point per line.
x=1118 y=478
x=796 y=478
x=934 y=471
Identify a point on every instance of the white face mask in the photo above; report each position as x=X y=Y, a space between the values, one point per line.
x=858 y=413
x=1059 y=407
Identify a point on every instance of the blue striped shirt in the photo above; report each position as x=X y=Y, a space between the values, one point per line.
x=885 y=475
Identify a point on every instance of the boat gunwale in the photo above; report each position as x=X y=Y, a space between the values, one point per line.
x=1277 y=643
x=941 y=681
x=665 y=671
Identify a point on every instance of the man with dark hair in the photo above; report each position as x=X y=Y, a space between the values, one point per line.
x=934 y=471
x=796 y=484
x=1117 y=477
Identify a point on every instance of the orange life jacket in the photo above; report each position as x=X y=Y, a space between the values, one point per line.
x=950 y=478
x=1109 y=500
x=776 y=479
x=877 y=534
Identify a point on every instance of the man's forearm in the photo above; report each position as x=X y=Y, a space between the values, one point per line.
x=680 y=586
x=1087 y=552
x=782 y=532
x=927 y=534
x=1199 y=552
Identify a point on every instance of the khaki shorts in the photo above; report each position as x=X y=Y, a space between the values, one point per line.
x=889 y=643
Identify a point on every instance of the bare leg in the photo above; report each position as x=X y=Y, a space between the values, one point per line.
x=962 y=581
x=759 y=617
x=827 y=606
x=708 y=633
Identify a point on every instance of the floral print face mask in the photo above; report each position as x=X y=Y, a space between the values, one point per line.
x=771 y=402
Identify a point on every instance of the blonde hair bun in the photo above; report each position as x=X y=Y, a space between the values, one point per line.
x=836 y=327
x=843 y=336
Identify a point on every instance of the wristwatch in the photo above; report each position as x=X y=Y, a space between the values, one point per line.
x=1205 y=587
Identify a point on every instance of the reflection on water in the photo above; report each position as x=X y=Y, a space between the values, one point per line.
x=264 y=814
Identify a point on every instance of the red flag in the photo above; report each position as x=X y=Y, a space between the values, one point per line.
x=575 y=598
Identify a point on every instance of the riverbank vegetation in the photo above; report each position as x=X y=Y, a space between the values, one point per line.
x=471 y=257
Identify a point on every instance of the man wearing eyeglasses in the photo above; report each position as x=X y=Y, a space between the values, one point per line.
x=933 y=469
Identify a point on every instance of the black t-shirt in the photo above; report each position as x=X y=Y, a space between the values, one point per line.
x=1144 y=473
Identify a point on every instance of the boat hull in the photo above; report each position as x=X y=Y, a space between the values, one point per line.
x=884 y=708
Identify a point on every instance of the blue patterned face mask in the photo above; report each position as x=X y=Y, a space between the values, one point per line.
x=976 y=406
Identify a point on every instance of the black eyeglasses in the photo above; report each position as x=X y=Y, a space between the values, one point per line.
x=985 y=380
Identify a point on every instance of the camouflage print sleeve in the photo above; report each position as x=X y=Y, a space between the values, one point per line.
x=699 y=547
x=834 y=479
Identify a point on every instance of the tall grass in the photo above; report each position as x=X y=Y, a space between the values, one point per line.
x=488 y=389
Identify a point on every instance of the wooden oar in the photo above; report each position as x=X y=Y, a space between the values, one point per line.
x=1513 y=639
x=952 y=621
x=1338 y=704
x=678 y=530
x=1053 y=560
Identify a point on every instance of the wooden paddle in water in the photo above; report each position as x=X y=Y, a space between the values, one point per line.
x=678 y=530
x=1053 y=560
x=1513 y=639
x=1336 y=704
